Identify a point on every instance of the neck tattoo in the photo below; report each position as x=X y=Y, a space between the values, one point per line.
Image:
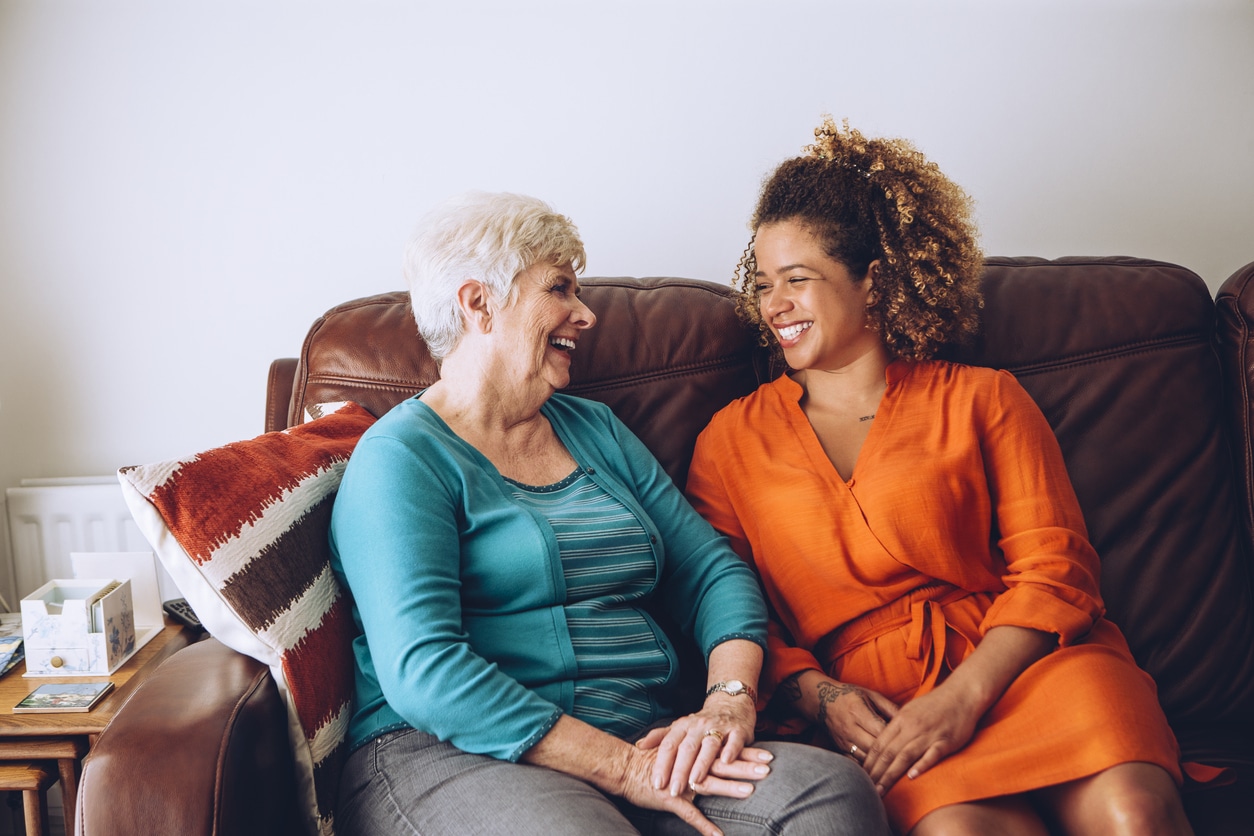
x=867 y=417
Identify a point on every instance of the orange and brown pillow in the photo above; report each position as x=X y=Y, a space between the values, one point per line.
x=242 y=530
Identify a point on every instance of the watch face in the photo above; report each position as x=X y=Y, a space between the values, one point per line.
x=735 y=686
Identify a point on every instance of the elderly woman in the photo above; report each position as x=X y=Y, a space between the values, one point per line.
x=501 y=543
x=937 y=602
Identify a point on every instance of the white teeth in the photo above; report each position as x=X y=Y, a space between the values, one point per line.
x=793 y=331
x=563 y=342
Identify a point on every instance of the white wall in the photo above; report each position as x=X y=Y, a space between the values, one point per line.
x=185 y=186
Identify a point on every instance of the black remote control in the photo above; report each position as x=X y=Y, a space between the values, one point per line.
x=182 y=612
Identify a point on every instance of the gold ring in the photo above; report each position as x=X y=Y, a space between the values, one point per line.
x=715 y=733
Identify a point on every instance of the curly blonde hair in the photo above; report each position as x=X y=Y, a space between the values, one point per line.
x=868 y=199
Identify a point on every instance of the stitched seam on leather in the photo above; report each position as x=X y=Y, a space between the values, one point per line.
x=692 y=370
x=258 y=681
x=1242 y=373
x=362 y=382
x=1108 y=354
x=689 y=370
x=725 y=291
x=1066 y=262
x=1245 y=421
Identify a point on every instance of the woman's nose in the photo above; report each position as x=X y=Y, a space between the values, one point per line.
x=583 y=315
x=773 y=303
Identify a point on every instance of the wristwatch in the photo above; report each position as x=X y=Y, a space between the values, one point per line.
x=733 y=688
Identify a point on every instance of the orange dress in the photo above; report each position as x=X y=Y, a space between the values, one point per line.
x=958 y=517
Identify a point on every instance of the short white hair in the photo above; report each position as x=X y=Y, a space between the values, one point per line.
x=491 y=237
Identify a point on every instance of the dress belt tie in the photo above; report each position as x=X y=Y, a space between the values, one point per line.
x=927 y=621
x=926 y=639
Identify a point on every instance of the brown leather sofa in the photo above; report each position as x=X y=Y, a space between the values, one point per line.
x=1145 y=378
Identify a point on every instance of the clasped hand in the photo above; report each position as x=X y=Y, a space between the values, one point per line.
x=705 y=753
x=892 y=741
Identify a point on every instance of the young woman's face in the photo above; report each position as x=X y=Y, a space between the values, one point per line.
x=812 y=303
x=543 y=325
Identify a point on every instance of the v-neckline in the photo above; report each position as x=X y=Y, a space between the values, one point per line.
x=809 y=437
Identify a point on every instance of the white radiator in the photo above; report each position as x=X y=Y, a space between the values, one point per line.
x=50 y=518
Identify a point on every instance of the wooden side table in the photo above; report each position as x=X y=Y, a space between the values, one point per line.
x=67 y=737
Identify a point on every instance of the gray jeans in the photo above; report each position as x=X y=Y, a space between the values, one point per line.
x=408 y=782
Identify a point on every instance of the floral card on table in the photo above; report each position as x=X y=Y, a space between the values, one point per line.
x=63 y=696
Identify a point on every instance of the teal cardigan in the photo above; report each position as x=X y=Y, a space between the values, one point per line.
x=458 y=589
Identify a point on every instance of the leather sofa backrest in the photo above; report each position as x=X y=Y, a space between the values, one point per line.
x=1121 y=355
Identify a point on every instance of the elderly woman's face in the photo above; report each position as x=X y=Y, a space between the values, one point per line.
x=543 y=326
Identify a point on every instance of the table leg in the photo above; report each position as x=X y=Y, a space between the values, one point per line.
x=69 y=770
x=35 y=806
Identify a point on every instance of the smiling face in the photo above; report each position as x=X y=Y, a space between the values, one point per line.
x=814 y=306
x=536 y=334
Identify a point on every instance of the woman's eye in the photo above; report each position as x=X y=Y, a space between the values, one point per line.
x=761 y=288
x=797 y=279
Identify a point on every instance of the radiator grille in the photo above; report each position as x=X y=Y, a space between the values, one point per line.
x=50 y=518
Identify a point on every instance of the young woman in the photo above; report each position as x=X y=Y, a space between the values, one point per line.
x=936 y=612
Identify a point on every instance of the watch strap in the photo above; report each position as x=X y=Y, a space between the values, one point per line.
x=733 y=687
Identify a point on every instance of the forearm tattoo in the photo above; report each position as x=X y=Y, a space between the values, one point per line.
x=790 y=688
x=829 y=692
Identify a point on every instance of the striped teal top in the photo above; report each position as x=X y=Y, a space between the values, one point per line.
x=608 y=565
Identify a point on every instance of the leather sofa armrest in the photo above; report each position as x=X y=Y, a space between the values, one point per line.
x=279 y=388
x=200 y=747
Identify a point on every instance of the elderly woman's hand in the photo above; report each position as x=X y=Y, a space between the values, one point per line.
x=707 y=752
x=638 y=787
x=618 y=768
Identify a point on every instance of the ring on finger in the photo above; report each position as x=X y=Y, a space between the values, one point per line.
x=853 y=750
x=692 y=785
x=716 y=734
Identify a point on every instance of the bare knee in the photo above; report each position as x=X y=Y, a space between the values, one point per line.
x=1011 y=816
x=1144 y=811
x=1126 y=800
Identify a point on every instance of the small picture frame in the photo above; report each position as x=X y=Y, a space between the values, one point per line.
x=63 y=697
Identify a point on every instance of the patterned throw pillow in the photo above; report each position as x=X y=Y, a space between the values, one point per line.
x=242 y=530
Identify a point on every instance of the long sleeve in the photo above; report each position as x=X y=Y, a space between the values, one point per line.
x=1052 y=571
x=395 y=536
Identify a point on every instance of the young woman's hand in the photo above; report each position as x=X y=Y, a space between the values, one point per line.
x=925 y=731
x=854 y=717
x=933 y=726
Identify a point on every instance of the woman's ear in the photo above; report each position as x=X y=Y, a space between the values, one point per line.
x=872 y=278
x=474 y=301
